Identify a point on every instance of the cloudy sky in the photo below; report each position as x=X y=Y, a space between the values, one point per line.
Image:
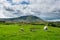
x=45 y=9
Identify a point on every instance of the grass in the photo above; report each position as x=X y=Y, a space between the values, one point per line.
x=13 y=32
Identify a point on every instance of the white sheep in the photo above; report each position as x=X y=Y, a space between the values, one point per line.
x=45 y=28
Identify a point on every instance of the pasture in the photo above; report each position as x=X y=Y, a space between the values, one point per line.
x=13 y=32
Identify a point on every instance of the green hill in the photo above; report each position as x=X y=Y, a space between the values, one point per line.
x=13 y=32
x=28 y=19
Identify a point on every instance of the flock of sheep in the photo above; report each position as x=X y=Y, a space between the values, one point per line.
x=33 y=29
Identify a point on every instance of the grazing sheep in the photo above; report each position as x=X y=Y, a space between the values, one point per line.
x=21 y=29
x=33 y=29
x=45 y=28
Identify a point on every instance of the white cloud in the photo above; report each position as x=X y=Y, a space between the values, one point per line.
x=16 y=1
x=39 y=8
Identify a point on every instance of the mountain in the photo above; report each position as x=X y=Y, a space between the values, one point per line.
x=28 y=18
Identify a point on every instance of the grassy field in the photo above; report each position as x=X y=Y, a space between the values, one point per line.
x=13 y=32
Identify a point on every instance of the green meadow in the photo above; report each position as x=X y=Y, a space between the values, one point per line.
x=13 y=32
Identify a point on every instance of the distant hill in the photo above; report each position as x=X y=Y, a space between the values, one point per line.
x=28 y=18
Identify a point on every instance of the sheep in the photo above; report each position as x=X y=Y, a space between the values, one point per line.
x=45 y=28
x=21 y=29
x=33 y=29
